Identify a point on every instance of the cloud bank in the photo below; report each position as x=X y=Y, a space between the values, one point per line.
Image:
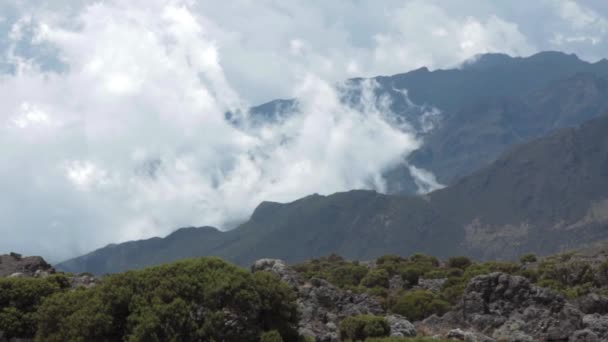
x=129 y=140
x=112 y=123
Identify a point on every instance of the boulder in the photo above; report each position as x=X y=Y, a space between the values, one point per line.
x=511 y=308
x=593 y=303
x=584 y=335
x=28 y=266
x=321 y=305
x=400 y=326
x=433 y=285
x=279 y=268
x=468 y=336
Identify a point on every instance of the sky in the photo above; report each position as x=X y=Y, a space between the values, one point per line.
x=112 y=112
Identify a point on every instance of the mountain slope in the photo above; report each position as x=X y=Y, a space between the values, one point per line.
x=544 y=196
x=487 y=106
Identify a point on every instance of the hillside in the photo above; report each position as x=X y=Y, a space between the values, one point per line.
x=543 y=196
x=487 y=106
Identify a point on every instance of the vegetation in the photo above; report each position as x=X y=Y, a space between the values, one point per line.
x=20 y=299
x=358 y=328
x=419 y=304
x=194 y=299
x=271 y=336
x=190 y=300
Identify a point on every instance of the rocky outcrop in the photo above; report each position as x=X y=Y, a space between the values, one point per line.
x=322 y=305
x=513 y=309
x=15 y=265
x=502 y=307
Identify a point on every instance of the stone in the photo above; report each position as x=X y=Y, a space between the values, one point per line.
x=584 y=335
x=28 y=266
x=468 y=336
x=433 y=285
x=400 y=326
x=597 y=323
x=593 y=303
x=279 y=268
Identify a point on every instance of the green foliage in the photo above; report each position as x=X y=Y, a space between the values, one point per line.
x=271 y=336
x=528 y=258
x=461 y=262
x=567 y=275
x=334 y=269
x=189 y=300
x=376 y=278
x=20 y=299
x=418 y=304
x=358 y=328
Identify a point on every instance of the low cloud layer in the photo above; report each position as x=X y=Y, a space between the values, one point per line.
x=130 y=140
x=112 y=123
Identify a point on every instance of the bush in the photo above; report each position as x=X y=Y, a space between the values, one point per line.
x=336 y=270
x=461 y=262
x=419 y=304
x=376 y=278
x=271 y=336
x=20 y=299
x=189 y=300
x=358 y=328
x=528 y=258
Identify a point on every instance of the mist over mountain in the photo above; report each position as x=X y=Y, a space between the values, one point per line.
x=544 y=196
x=467 y=116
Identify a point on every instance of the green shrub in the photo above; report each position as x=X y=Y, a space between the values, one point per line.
x=187 y=300
x=424 y=259
x=336 y=270
x=418 y=304
x=358 y=328
x=20 y=299
x=461 y=262
x=528 y=258
x=271 y=336
x=376 y=278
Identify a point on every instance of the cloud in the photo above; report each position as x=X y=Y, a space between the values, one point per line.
x=586 y=25
x=112 y=125
x=130 y=141
x=426 y=35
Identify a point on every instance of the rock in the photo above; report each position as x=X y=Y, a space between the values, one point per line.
x=584 y=335
x=431 y=284
x=28 y=266
x=468 y=336
x=598 y=324
x=396 y=283
x=321 y=305
x=593 y=303
x=83 y=280
x=279 y=268
x=17 y=275
x=400 y=326
x=511 y=308
x=511 y=331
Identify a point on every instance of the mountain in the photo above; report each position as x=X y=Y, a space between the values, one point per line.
x=543 y=196
x=488 y=105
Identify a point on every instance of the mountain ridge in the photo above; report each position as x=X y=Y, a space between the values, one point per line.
x=544 y=196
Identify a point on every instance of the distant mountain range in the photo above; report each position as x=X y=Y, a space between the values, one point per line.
x=488 y=105
x=544 y=196
x=521 y=176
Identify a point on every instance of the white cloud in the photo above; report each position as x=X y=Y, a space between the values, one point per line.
x=130 y=140
x=586 y=26
x=426 y=35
